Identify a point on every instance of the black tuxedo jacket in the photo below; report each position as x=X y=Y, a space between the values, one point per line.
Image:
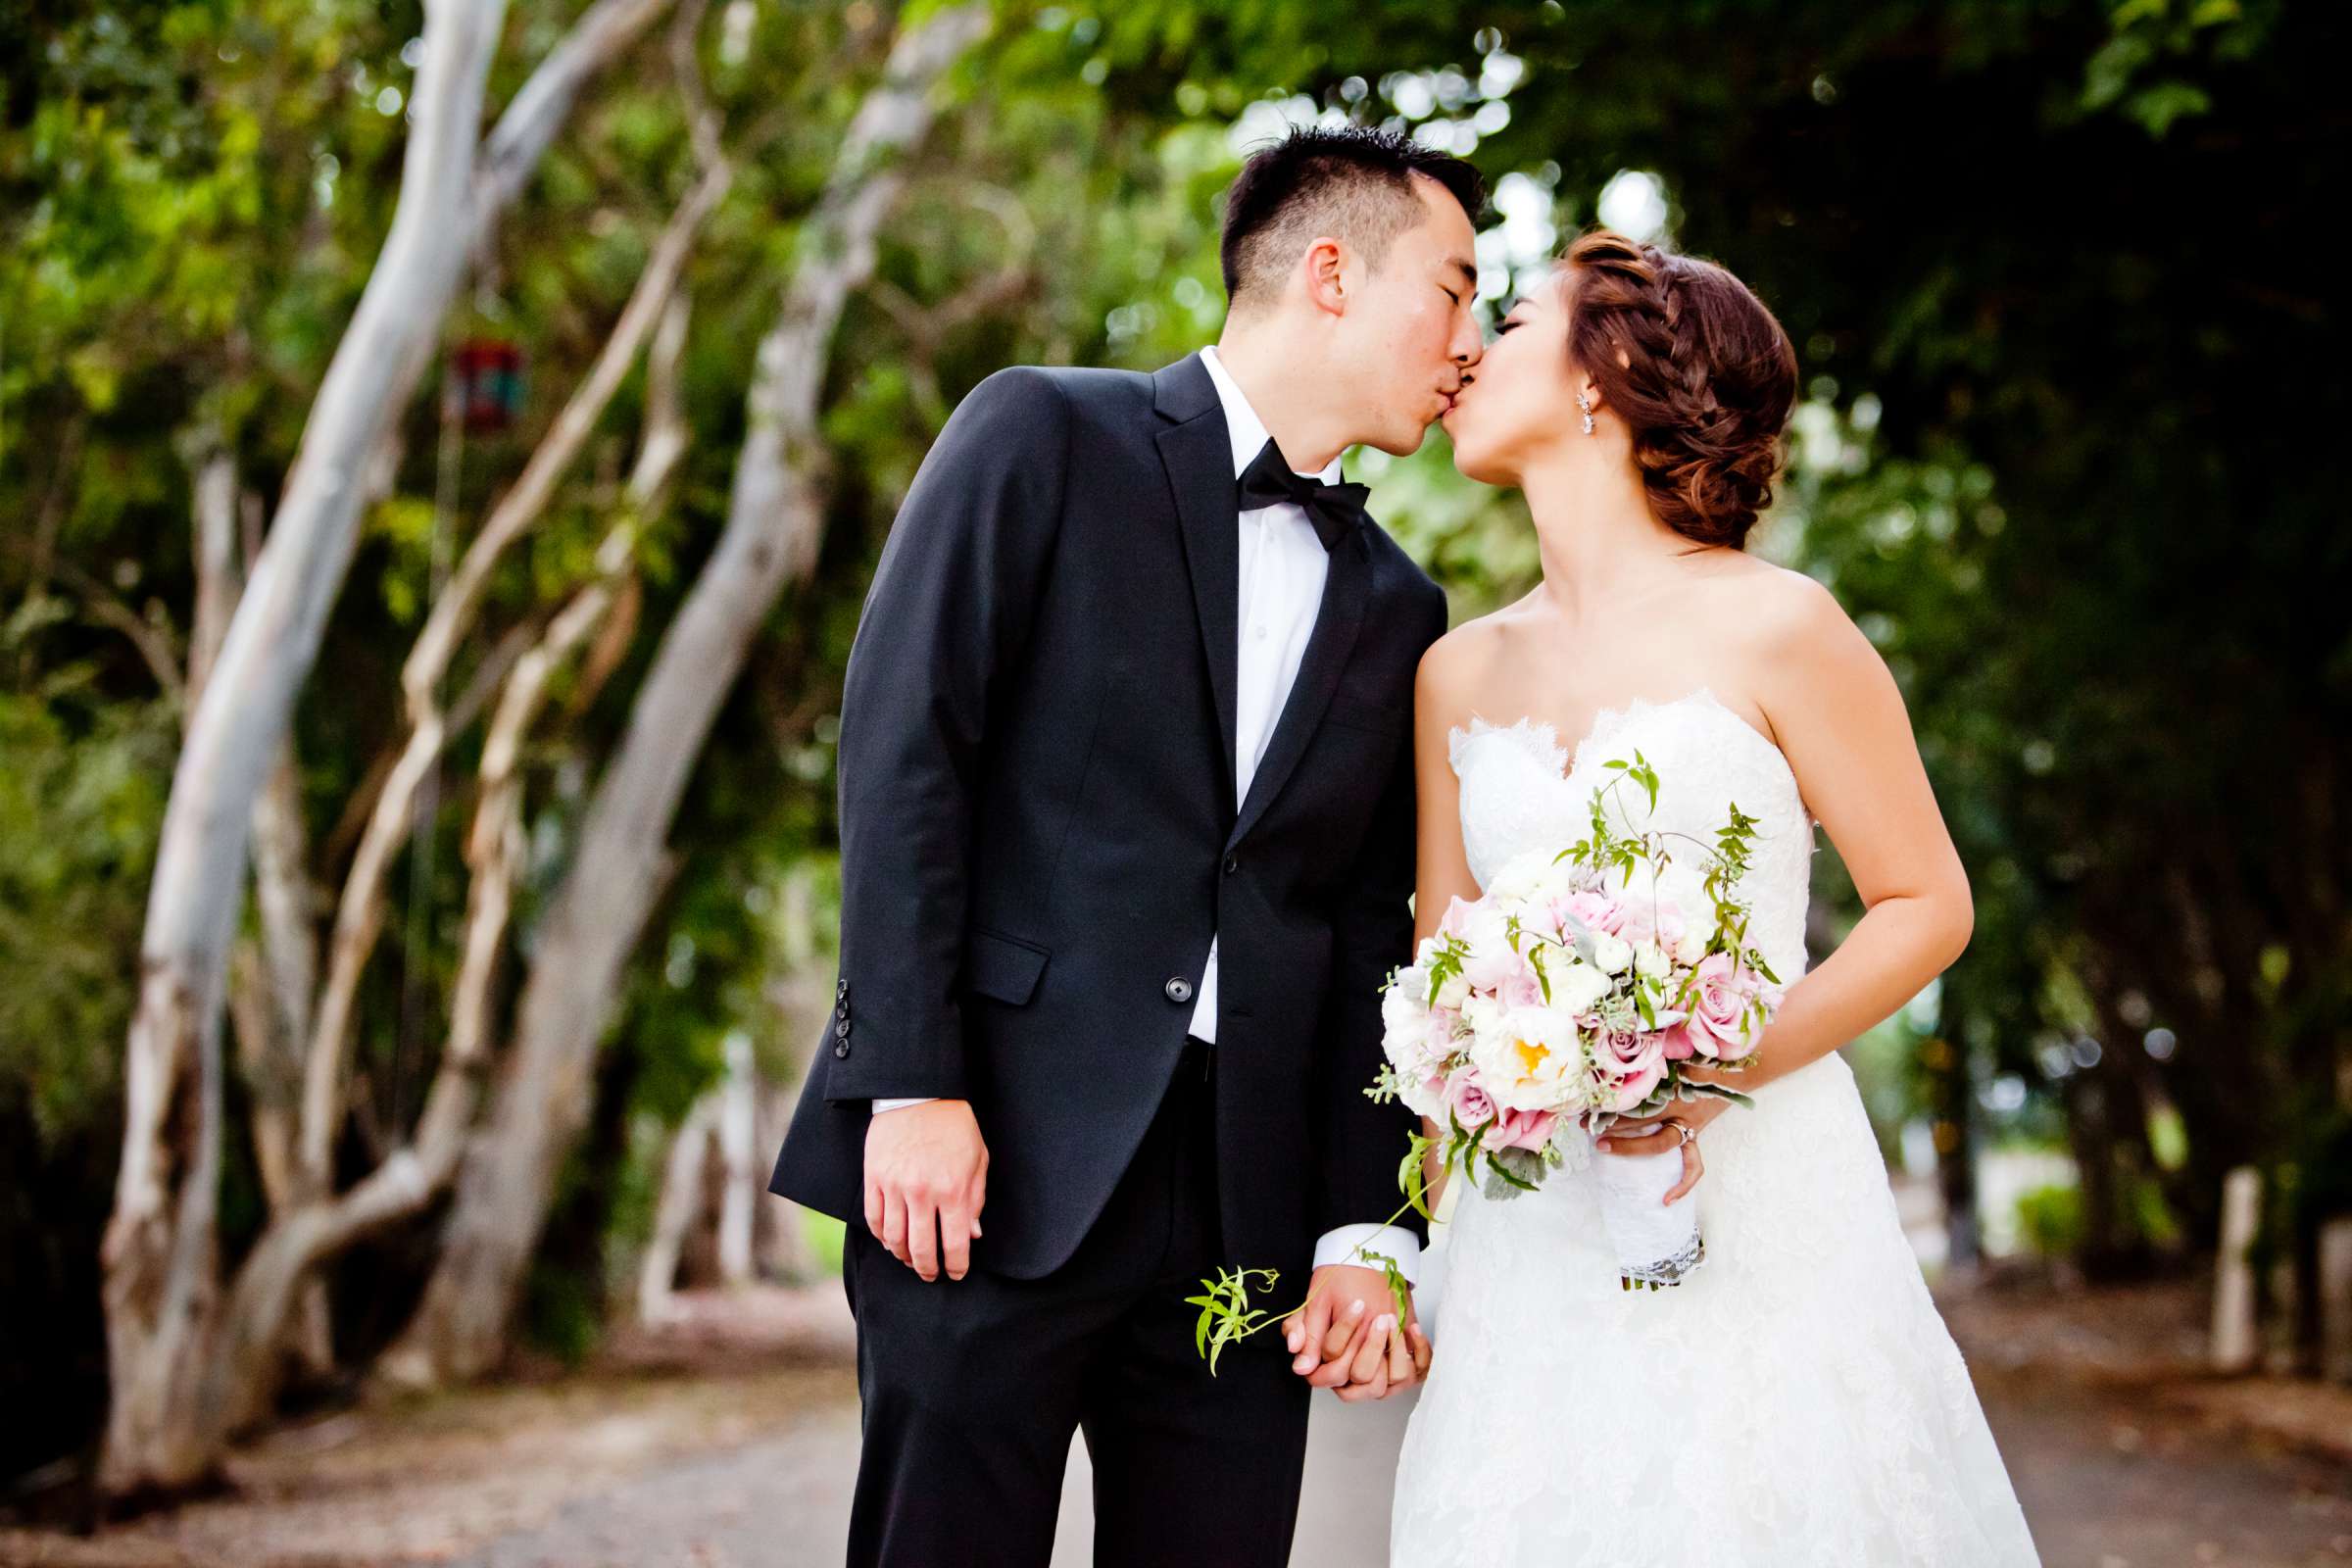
x=1039 y=834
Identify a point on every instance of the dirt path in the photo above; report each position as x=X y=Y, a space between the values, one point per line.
x=672 y=1452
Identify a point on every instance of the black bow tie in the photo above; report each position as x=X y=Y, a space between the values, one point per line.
x=1334 y=509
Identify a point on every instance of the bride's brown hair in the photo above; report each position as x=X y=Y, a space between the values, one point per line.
x=1707 y=384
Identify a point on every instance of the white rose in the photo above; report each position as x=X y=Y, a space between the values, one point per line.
x=1454 y=991
x=1693 y=947
x=1576 y=988
x=1612 y=954
x=1650 y=961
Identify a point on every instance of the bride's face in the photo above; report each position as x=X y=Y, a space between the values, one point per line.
x=1521 y=400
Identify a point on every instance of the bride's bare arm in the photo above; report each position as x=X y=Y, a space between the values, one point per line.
x=1839 y=719
x=1442 y=868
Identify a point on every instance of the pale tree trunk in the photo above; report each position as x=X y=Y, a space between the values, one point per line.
x=359 y=916
x=675 y=1213
x=270 y=982
x=738 y=1125
x=773 y=528
x=800 y=997
x=181 y=1376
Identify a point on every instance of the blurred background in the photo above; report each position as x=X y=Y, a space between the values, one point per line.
x=443 y=450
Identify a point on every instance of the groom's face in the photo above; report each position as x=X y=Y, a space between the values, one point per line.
x=1410 y=333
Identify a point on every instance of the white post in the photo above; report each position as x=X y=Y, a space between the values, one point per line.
x=2335 y=1300
x=738 y=1123
x=2233 y=1337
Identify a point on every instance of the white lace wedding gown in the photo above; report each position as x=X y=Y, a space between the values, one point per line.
x=1798 y=1401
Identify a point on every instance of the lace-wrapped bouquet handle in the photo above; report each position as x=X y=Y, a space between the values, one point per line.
x=1574 y=991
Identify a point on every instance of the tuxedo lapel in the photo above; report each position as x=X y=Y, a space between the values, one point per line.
x=1197 y=454
x=1340 y=616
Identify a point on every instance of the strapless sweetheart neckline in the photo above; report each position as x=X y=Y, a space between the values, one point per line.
x=1541 y=737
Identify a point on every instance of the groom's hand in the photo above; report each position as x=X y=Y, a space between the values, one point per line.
x=926 y=1176
x=1347 y=1335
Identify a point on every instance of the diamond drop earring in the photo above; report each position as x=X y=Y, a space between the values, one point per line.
x=1584 y=401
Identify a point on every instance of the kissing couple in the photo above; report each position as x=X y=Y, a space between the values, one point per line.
x=1157 y=759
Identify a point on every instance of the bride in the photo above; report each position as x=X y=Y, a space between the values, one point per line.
x=1795 y=1399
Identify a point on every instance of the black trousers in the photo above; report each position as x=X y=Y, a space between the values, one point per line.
x=973 y=1387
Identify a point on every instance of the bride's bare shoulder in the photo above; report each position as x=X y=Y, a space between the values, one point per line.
x=1806 y=652
x=1460 y=661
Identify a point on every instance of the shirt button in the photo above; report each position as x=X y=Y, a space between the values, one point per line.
x=1261 y=634
x=1179 y=989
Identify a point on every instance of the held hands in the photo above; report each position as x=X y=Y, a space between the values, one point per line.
x=1345 y=1337
x=926 y=1176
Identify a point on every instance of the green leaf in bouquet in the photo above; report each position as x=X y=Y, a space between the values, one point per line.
x=1411 y=1179
x=1512 y=1172
x=1226 y=1316
x=1692 y=1089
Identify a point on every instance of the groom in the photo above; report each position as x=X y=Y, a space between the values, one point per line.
x=1127 y=843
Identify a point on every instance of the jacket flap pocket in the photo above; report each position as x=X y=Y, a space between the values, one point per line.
x=1003 y=967
x=1366 y=716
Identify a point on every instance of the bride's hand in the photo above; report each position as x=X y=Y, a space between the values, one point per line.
x=1650 y=1136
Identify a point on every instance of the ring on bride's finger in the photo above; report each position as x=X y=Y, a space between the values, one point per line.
x=1683 y=1128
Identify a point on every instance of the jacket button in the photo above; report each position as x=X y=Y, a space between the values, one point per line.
x=841 y=1048
x=840 y=1030
x=1233 y=864
x=1179 y=989
x=840 y=987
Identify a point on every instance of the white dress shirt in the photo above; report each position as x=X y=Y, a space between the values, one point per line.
x=1283 y=564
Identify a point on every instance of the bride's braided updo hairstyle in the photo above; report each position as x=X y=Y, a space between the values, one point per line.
x=1707 y=384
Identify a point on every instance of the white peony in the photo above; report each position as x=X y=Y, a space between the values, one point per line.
x=1612 y=954
x=1693 y=946
x=1650 y=961
x=1531 y=1060
x=1403 y=1011
x=1482 y=1014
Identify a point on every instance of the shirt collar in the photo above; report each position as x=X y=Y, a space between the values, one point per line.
x=1242 y=423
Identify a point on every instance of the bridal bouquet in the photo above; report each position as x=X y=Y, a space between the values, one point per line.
x=1576 y=990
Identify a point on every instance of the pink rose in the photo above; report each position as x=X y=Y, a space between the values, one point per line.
x=1722 y=997
x=1522 y=1129
x=1521 y=988
x=1633 y=1061
x=1472 y=1105
x=1598 y=910
x=1630 y=1092
x=1675 y=1044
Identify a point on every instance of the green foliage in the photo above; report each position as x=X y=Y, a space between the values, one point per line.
x=2049 y=1218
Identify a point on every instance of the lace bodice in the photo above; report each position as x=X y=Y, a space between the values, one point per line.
x=1522 y=790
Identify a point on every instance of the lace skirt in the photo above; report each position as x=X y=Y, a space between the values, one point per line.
x=1797 y=1402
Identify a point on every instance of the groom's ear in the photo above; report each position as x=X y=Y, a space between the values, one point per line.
x=1324 y=267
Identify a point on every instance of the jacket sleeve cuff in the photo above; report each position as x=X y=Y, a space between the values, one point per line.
x=1336 y=1247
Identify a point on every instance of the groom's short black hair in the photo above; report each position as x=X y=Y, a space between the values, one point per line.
x=1352 y=182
